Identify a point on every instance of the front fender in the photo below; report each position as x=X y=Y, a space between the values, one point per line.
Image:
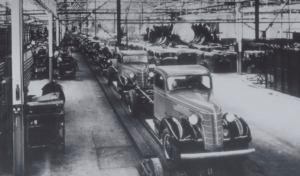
x=180 y=129
x=173 y=128
x=237 y=128
x=126 y=82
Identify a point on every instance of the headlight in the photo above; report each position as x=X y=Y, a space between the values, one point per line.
x=193 y=119
x=131 y=75
x=151 y=74
x=230 y=117
x=108 y=61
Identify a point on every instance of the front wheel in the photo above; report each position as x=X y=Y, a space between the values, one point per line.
x=171 y=152
x=132 y=103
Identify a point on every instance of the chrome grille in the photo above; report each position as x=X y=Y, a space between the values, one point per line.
x=212 y=131
x=141 y=78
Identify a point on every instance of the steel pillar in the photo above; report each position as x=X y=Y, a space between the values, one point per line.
x=256 y=19
x=114 y=23
x=50 y=42
x=63 y=29
x=57 y=32
x=239 y=33
x=17 y=85
x=95 y=19
x=119 y=38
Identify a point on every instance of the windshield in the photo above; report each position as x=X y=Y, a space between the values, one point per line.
x=198 y=82
x=135 y=59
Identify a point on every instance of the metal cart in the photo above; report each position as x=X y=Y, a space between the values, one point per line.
x=45 y=122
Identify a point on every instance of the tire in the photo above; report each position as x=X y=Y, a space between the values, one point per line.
x=156 y=167
x=171 y=152
x=132 y=104
x=109 y=77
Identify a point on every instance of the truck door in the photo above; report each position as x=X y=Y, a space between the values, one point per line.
x=159 y=97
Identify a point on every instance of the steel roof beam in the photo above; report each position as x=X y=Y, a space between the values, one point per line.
x=128 y=1
x=76 y=13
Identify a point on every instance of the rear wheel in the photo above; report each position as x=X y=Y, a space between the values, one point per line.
x=132 y=103
x=171 y=152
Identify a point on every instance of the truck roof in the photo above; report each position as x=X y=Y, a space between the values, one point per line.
x=132 y=52
x=167 y=50
x=183 y=50
x=180 y=70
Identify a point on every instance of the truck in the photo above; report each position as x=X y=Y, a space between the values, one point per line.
x=188 y=120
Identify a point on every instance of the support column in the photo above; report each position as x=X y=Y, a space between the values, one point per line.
x=95 y=23
x=50 y=27
x=119 y=39
x=256 y=19
x=239 y=33
x=17 y=86
x=63 y=31
x=57 y=32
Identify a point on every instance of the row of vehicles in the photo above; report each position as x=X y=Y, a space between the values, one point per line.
x=216 y=58
x=101 y=52
x=63 y=64
x=186 y=117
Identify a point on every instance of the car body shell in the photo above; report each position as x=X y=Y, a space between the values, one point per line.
x=187 y=57
x=218 y=60
x=166 y=56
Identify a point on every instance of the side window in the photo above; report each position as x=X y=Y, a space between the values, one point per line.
x=159 y=81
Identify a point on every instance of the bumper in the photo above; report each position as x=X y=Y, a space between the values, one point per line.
x=216 y=154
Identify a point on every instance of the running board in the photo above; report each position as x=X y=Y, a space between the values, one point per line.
x=217 y=154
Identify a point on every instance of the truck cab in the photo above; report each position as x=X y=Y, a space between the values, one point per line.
x=190 y=122
x=132 y=77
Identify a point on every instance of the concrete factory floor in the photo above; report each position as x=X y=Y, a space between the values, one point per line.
x=273 y=118
x=96 y=143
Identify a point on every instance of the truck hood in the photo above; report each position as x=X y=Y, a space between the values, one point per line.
x=195 y=100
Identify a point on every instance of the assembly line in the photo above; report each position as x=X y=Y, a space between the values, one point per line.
x=149 y=88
